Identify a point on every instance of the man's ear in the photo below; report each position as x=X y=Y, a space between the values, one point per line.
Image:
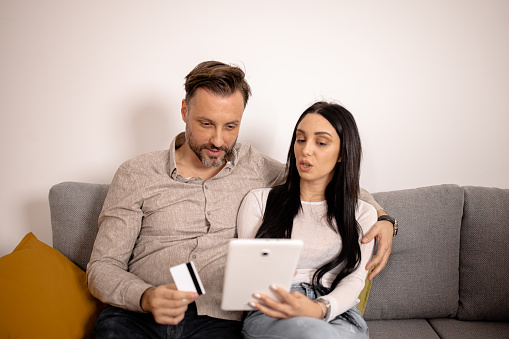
x=184 y=110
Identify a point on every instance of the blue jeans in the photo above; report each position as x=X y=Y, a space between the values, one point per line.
x=115 y=322
x=350 y=324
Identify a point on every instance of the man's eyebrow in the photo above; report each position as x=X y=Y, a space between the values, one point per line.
x=214 y=122
x=316 y=133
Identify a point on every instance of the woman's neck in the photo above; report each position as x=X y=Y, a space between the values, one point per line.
x=312 y=192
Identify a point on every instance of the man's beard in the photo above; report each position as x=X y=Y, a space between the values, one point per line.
x=200 y=150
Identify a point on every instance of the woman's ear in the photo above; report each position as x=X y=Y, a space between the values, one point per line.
x=339 y=160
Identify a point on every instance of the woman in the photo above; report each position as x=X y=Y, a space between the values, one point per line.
x=318 y=204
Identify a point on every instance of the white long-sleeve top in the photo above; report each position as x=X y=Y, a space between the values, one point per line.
x=321 y=243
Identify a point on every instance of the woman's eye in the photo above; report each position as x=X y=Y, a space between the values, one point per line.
x=300 y=140
x=323 y=144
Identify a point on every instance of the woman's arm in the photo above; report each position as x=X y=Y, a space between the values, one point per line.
x=250 y=215
x=346 y=293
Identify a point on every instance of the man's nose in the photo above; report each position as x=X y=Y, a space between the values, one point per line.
x=217 y=138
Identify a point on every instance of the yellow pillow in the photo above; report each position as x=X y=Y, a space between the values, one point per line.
x=363 y=297
x=44 y=295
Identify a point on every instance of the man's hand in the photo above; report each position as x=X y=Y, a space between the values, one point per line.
x=383 y=232
x=166 y=303
x=293 y=304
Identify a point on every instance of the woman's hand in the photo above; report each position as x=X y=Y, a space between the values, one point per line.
x=293 y=304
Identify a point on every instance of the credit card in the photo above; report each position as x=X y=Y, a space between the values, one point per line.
x=186 y=278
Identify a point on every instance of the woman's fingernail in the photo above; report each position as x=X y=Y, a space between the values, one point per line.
x=274 y=287
x=252 y=304
x=257 y=295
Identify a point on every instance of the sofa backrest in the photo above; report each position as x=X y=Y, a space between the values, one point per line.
x=421 y=279
x=74 y=209
x=426 y=277
x=484 y=294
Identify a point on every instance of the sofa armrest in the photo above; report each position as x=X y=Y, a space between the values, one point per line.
x=74 y=209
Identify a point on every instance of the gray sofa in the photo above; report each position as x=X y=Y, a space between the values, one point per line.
x=446 y=277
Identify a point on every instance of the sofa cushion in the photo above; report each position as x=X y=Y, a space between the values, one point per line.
x=456 y=329
x=401 y=329
x=421 y=279
x=75 y=208
x=484 y=294
x=44 y=295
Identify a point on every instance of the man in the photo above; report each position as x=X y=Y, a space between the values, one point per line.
x=170 y=207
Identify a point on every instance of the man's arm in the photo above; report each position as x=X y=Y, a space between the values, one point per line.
x=119 y=225
x=383 y=232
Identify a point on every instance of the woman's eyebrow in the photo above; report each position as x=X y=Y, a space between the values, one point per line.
x=323 y=133
x=316 y=133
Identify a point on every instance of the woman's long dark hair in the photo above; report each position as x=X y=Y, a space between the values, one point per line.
x=283 y=202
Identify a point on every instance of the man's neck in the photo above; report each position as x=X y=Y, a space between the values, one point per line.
x=189 y=165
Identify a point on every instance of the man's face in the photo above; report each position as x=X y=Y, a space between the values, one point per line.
x=212 y=125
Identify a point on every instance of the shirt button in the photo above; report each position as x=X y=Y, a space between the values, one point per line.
x=208 y=213
x=206 y=187
x=194 y=256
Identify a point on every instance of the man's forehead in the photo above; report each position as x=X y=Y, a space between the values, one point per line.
x=205 y=93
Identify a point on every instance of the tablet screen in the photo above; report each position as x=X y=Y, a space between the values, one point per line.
x=255 y=264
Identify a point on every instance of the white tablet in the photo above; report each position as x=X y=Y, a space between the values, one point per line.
x=255 y=264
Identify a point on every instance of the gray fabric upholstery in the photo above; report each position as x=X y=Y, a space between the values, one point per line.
x=401 y=329
x=421 y=279
x=484 y=294
x=75 y=208
x=426 y=279
x=456 y=329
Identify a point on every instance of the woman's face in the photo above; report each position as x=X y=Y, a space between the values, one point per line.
x=316 y=148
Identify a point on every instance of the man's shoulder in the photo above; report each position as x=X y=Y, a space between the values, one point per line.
x=147 y=160
x=245 y=152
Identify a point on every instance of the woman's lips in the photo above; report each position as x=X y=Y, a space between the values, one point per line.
x=305 y=166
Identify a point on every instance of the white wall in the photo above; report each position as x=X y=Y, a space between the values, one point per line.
x=86 y=85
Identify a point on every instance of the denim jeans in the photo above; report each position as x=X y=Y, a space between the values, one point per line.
x=115 y=322
x=350 y=324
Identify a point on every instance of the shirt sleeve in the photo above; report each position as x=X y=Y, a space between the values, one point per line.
x=365 y=196
x=274 y=172
x=346 y=293
x=250 y=215
x=119 y=226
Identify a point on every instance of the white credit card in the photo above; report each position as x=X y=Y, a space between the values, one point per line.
x=186 y=278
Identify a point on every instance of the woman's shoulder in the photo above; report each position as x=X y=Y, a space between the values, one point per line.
x=259 y=194
x=365 y=214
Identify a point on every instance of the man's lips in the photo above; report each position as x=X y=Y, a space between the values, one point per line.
x=213 y=152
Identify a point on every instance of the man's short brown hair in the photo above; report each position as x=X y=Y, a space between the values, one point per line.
x=219 y=78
